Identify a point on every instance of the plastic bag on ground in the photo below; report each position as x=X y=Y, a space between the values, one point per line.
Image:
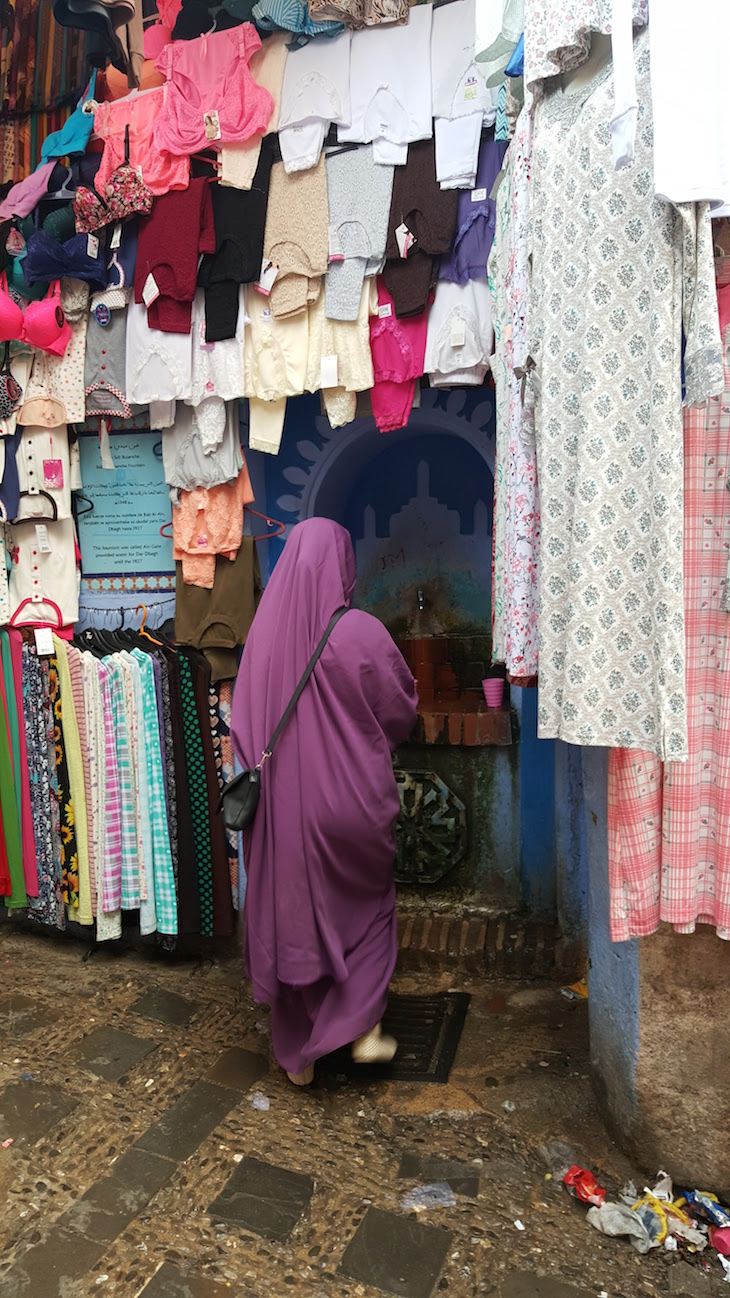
x=618 y=1219
x=423 y=1197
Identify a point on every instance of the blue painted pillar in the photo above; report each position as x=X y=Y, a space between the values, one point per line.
x=537 y=808
x=613 y=973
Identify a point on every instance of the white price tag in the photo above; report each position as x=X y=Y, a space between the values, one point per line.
x=458 y=332
x=478 y=195
x=266 y=278
x=44 y=641
x=41 y=534
x=335 y=247
x=405 y=240
x=116 y=235
x=92 y=245
x=150 y=291
x=385 y=310
x=328 y=373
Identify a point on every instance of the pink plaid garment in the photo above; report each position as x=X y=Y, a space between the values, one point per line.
x=669 y=824
x=112 y=876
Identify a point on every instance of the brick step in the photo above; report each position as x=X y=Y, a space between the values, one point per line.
x=500 y=946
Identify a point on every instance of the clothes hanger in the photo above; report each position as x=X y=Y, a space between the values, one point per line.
x=43 y=517
x=142 y=608
x=167 y=535
x=80 y=514
x=270 y=522
x=47 y=603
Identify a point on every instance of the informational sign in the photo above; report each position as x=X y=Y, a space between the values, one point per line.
x=121 y=535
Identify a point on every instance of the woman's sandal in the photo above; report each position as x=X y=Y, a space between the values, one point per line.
x=374 y=1047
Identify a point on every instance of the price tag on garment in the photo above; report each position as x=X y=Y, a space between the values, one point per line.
x=328 y=373
x=53 y=474
x=203 y=344
x=150 y=291
x=212 y=125
x=458 y=332
x=478 y=195
x=116 y=235
x=41 y=536
x=470 y=87
x=92 y=245
x=266 y=278
x=335 y=247
x=404 y=239
x=385 y=311
x=44 y=641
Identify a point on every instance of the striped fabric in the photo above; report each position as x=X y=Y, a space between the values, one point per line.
x=164 y=878
x=147 y=911
x=109 y=916
x=128 y=894
x=669 y=825
x=75 y=670
x=89 y=685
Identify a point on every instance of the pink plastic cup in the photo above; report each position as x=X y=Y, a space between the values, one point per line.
x=493 y=691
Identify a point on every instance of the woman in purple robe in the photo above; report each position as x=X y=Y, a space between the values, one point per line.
x=319 y=922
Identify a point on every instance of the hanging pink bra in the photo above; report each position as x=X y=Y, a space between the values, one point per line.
x=42 y=325
x=125 y=195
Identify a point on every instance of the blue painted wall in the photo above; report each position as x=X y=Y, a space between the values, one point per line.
x=613 y=975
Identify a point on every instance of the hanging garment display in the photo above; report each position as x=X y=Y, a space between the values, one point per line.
x=239 y=160
x=314 y=95
x=296 y=237
x=210 y=94
x=516 y=544
x=667 y=843
x=359 y=194
x=610 y=460
x=425 y=214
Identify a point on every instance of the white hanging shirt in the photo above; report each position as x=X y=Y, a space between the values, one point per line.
x=691 y=145
x=315 y=92
x=42 y=461
x=460 y=336
x=159 y=365
x=41 y=575
x=459 y=84
x=217 y=368
x=390 y=82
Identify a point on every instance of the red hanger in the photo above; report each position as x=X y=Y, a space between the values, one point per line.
x=270 y=522
x=49 y=603
x=167 y=535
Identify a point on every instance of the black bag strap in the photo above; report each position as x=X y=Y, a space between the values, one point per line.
x=301 y=686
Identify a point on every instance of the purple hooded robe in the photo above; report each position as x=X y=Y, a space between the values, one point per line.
x=319 y=920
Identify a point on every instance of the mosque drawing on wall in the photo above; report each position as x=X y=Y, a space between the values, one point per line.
x=428 y=575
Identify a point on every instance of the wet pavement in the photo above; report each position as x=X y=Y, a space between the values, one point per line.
x=145 y=1161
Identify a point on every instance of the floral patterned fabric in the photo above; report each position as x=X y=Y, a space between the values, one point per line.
x=558 y=33
x=517 y=509
x=47 y=907
x=220 y=699
x=617 y=278
x=69 y=850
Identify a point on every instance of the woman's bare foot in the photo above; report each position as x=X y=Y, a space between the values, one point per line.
x=374 y=1047
x=302 y=1079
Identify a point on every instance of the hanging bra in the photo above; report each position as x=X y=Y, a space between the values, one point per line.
x=46 y=259
x=75 y=133
x=43 y=324
x=125 y=195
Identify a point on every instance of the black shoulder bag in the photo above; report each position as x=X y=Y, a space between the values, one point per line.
x=240 y=798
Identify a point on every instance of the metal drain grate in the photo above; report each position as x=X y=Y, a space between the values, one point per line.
x=428 y=1030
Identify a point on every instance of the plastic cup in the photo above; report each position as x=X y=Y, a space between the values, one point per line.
x=493 y=691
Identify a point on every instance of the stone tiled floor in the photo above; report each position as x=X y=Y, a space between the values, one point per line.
x=140 y=1166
